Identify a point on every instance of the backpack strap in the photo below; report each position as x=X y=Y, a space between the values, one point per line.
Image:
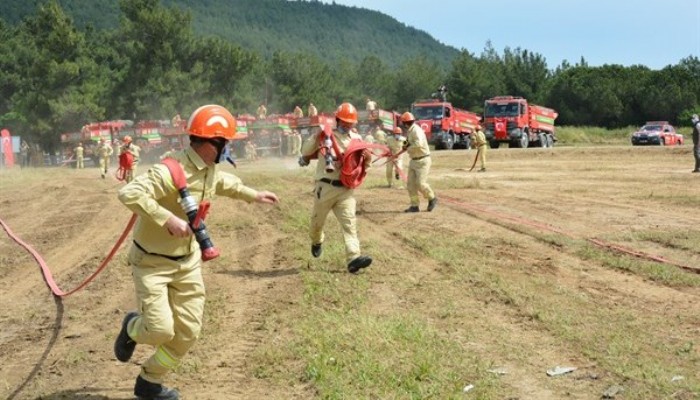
x=176 y=172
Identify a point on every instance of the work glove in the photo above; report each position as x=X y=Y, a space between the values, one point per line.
x=303 y=161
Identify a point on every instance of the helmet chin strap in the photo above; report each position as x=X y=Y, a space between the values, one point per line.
x=219 y=149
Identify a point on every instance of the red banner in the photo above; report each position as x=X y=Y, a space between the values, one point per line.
x=7 y=148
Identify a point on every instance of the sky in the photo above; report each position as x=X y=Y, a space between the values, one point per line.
x=654 y=33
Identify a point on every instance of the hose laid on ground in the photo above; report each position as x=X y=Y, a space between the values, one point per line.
x=46 y=272
x=476 y=157
x=547 y=227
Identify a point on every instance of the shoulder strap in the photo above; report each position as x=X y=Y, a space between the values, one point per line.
x=176 y=172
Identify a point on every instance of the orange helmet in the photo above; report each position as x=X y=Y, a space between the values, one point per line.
x=347 y=112
x=127 y=139
x=407 y=117
x=212 y=121
x=398 y=130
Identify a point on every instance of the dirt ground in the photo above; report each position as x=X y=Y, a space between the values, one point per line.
x=524 y=206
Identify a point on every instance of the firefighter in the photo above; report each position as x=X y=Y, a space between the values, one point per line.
x=24 y=153
x=176 y=121
x=103 y=152
x=312 y=110
x=262 y=111
x=379 y=134
x=370 y=105
x=479 y=143
x=79 y=152
x=295 y=143
x=396 y=143
x=135 y=151
x=696 y=141
x=250 y=151
x=419 y=166
x=298 y=112
x=331 y=195
x=165 y=258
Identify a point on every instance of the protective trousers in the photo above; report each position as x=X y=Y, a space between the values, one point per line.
x=129 y=175
x=80 y=162
x=170 y=296
x=104 y=164
x=297 y=145
x=696 y=154
x=482 y=155
x=340 y=200
x=392 y=168
x=418 y=180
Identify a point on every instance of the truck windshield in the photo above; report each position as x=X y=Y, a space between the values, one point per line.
x=427 y=112
x=502 y=110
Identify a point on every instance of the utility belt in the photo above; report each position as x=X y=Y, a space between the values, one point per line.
x=174 y=258
x=333 y=182
x=421 y=157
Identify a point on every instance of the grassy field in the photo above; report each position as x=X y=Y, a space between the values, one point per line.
x=476 y=300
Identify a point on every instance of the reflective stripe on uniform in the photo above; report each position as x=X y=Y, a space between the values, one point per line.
x=165 y=359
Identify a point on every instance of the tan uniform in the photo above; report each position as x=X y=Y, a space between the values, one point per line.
x=250 y=152
x=296 y=143
x=135 y=151
x=379 y=136
x=312 y=110
x=419 y=166
x=103 y=152
x=479 y=143
x=330 y=195
x=262 y=112
x=395 y=143
x=167 y=270
x=369 y=138
x=79 y=152
x=298 y=112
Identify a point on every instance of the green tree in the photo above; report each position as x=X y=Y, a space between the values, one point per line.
x=60 y=86
x=415 y=79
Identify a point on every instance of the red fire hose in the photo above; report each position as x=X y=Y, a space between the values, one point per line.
x=46 y=272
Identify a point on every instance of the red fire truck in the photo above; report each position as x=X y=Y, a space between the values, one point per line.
x=510 y=119
x=444 y=125
x=366 y=120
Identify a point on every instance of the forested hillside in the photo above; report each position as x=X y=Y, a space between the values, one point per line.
x=330 y=31
x=150 y=60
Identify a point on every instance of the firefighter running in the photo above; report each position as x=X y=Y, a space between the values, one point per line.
x=330 y=194
x=103 y=152
x=165 y=258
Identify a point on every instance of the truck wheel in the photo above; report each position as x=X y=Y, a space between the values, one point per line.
x=494 y=144
x=524 y=140
x=550 y=140
x=543 y=140
x=467 y=141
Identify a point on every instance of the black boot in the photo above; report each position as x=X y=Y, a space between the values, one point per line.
x=316 y=250
x=411 y=209
x=123 y=345
x=432 y=203
x=359 y=263
x=145 y=390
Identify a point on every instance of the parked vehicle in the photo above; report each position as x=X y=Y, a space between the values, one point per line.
x=366 y=120
x=269 y=134
x=510 y=119
x=657 y=133
x=445 y=126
